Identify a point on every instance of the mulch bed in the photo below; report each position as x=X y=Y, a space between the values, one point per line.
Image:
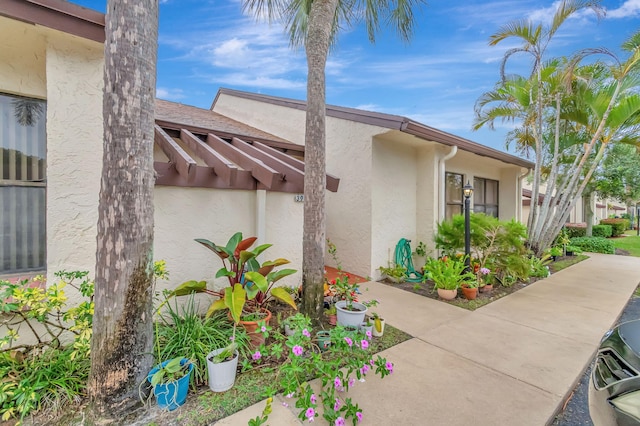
x=426 y=289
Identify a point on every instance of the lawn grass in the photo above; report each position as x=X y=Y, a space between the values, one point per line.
x=565 y=263
x=630 y=243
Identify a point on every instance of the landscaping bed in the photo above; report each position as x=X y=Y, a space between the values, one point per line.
x=426 y=289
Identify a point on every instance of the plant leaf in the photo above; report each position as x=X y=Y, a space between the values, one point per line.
x=244 y=245
x=259 y=280
x=278 y=275
x=283 y=295
x=217 y=305
x=235 y=299
x=189 y=287
x=222 y=252
x=224 y=272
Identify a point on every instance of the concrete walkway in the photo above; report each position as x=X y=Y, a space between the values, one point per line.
x=512 y=362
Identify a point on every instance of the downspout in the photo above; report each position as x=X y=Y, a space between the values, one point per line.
x=441 y=185
x=261 y=215
x=519 y=204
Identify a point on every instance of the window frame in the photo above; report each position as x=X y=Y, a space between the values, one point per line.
x=483 y=206
x=446 y=197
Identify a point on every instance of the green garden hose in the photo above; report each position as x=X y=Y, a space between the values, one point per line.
x=403 y=258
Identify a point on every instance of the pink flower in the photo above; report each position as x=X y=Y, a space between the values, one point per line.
x=289 y=395
x=485 y=271
x=348 y=340
x=306 y=333
x=351 y=381
x=263 y=328
x=389 y=366
x=365 y=369
x=371 y=362
x=364 y=344
x=368 y=333
x=310 y=414
x=284 y=404
x=297 y=350
x=256 y=355
x=313 y=398
x=339 y=421
x=337 y=383
x=336 y=406
x=359 y=416
x=232 y=338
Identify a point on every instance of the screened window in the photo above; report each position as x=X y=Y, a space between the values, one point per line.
x=453 y=194
x=485 y=196
x=22 y=184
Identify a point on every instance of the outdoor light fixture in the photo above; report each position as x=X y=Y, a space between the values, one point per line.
x=467 y=190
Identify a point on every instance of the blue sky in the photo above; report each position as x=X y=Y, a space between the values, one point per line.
x=436 y=79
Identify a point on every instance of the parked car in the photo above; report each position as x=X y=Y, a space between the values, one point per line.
x=614 y=385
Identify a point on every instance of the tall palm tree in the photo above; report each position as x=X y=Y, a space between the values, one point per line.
x=564 y=110
x=122 y=342
x=316 y=24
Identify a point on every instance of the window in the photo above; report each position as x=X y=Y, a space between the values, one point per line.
x=485 y=196
x=453 y=194
x=22 y=184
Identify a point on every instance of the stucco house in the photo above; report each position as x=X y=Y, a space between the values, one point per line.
x=237 y=166
x=399 y=177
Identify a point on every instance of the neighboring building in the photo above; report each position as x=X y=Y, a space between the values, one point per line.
x=399 y=178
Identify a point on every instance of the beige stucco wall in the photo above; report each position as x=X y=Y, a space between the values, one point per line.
x=348 y=156
x=67 y=72
x=184 y=214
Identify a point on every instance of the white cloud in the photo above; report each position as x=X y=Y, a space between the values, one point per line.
x=170 y=94
x=629 y=9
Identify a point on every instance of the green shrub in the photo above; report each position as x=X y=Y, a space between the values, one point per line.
x=618 y=226
x=576 y=231
x=594 y=244
x=496 y=245
x=604 y=231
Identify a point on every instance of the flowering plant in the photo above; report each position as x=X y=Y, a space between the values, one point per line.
x=347 y=361
x=448 y=273
x=483 y=276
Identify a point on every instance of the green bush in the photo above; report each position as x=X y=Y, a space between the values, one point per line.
x=496 y=245
x=576 y=231
x=594 y=244
x=618 y=225
x=604 y=231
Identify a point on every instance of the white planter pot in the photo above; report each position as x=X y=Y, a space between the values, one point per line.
x=364 y=328
x=350 y=318
x=377 y=333
x=222 y=375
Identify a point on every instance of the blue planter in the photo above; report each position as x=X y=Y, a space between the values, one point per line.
x=171 y=395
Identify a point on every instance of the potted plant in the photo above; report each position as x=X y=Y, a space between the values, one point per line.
x=350 y=312
x=555 y=252
x=447 y=275
x=297 y=322
x=378 y=325
x=241 y=267
x=331 y=313
x=366 y=326
x=222 y=365
x=469 y=290
x=484 y=280
x=394 y=273
x=170 y=382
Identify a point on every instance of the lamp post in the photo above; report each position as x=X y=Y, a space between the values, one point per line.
x=467 y=190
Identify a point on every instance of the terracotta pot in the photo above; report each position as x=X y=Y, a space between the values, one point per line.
x=447 y=294
x=256 y=338
x=333 y=319
x=486 y=289
x=469 y=293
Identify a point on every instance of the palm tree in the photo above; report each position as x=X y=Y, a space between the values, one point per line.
x=315 y=24
x=122 y=342
x=561 y=106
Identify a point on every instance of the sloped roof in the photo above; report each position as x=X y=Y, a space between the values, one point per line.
x=389 y=121
x=207 y=149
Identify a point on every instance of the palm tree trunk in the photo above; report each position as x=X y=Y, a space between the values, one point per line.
x=121 y=347
x=313 y=245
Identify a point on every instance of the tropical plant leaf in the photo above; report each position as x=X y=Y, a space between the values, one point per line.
x=283 y=295
x=189 y=287
x=222 y=252
x=278 y=275
x=234 y=300
x=233 y=243
x=260 y=249
x=245 y=256
x=217 y=305
x=224 y=272
x=244 y=245
x=254 y=283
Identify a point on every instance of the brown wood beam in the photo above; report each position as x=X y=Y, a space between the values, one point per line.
x=263 y=173
x=288 y=146
x=204 y=178
x=182 y=161
x=221 y=166
x=288 y=172
x=332 y=181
